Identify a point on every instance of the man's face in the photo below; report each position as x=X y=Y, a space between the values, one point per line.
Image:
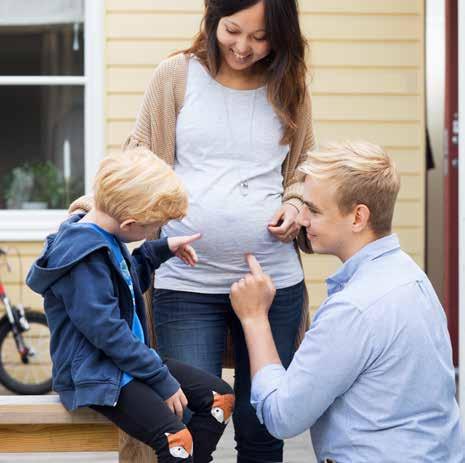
x=327 y=228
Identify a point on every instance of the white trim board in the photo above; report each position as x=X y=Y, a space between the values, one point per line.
x=94 y=65
x=42 y=80
x=17 y=225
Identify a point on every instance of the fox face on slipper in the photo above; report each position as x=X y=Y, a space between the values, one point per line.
x=180 y=443
x=222 y=408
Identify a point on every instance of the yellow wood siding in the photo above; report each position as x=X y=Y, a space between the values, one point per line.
x=367 y=79
x=368 y=82
x=14 y=280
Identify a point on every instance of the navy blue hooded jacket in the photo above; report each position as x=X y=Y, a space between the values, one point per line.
x=89 y=310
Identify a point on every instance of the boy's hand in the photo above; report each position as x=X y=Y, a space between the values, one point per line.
x=177 y=403
x=180 y=246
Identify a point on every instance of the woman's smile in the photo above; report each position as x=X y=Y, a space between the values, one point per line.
x=241 y=58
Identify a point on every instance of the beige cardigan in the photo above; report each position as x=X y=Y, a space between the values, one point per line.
x=155 y=129
x=156 y=123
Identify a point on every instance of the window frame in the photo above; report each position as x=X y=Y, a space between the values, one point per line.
x=22 y=225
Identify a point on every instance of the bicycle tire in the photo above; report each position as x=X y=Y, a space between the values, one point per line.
x=12 y=384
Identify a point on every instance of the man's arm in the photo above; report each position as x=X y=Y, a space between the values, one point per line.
x=260 y=344
x=251 y=298
x=335 y=351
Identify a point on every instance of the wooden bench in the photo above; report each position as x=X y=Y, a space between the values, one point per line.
x=42 y=424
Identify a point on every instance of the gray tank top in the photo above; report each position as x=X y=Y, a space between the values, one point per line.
x=229 y=158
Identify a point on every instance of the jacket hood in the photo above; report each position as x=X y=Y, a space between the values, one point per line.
x=63 y=250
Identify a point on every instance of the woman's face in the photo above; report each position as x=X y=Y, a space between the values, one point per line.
x=242 y=37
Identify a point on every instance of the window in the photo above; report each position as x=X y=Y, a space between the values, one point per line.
x=51 y=117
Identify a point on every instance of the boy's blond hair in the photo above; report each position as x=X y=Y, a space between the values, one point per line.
x=137 y=184
x=363 y=174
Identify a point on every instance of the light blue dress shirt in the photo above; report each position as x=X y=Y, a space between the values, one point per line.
x=373 y=379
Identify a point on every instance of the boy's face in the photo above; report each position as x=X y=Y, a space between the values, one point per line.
x=130 y=231
x=327 y=228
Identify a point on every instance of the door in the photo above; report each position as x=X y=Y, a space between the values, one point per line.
x=451 y=300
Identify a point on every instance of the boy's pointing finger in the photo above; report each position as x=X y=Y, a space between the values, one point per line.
x=175 y=242
x=191 y=238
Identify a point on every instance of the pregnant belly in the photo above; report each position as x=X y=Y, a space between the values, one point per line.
x=227 y=234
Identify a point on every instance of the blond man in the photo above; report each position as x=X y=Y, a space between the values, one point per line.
x=373 y=379
x=92 y=289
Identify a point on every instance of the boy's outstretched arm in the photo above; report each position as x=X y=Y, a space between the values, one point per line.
x=148 y=257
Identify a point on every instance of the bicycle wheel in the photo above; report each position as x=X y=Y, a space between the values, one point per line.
x=34 y=376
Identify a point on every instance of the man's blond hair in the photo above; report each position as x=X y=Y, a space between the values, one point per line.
x=137 y=184
x=363 y=174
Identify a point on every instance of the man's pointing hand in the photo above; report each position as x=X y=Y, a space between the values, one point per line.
x=252 y=296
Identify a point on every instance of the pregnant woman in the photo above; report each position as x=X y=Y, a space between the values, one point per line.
x=241 y=127
x=232 y=115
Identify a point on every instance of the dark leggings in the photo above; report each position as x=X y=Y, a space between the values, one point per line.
x=143 y=414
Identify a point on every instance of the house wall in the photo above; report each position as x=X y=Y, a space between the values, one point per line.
x=367 y=79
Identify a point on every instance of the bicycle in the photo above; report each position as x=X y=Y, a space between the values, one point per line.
x=25 y=365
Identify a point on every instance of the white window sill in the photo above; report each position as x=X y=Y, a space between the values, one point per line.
x=31 y=225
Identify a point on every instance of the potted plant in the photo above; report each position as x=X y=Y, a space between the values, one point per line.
x=37 y=185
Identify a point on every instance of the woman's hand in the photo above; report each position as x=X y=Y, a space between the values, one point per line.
x=284 y=225
x=177 y=403
x=180 y=246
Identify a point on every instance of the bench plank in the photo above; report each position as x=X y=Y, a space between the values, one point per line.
x=58 y=438
x=42 y=424
x=28 y=414
x=44 y=410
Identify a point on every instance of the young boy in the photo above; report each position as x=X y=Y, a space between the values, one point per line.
x=374 y=371
x=92 y=289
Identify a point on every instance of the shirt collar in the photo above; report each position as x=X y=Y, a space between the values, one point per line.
x=369 y=252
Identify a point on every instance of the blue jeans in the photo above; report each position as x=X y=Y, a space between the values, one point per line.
x=192 y=328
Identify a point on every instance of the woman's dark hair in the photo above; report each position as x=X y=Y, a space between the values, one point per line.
x=284 y=68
